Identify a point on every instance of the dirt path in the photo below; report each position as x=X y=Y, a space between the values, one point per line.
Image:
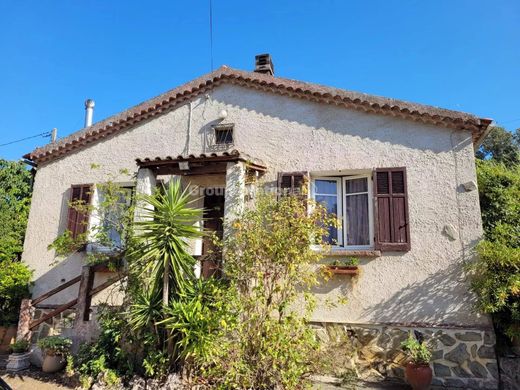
x=29 y=380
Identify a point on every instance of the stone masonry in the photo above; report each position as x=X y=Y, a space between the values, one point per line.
x=61 y=325
x=462 y=358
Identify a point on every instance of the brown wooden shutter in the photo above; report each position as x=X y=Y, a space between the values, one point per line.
x=77 y=221
x=392 y=228
x=292 y=183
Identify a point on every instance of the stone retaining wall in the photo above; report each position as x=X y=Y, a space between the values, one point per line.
x=61 y=325
x=462 y=358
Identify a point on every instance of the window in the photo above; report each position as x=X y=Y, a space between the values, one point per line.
x=107 y=222
x=224 y=134
x=77 y=218
x=292 y=183
x=327 y=192
x=113 y=219
x=349 y=198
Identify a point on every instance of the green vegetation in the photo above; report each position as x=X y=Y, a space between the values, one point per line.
x=15 y=196
x=14 y=286
x=269 y=267
x=346 y=262
x=496 y=274
x=248 y=330
x=115 y=211
x=55 y=345
x=501 y=146
x=19 y=346
x=15 y=199
x=106 y=359
x=417 y=351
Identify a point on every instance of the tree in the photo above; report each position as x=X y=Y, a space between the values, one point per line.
x=162 y=239
x=162 y=270
x=15 y=199
x=496 y=273
x=270 y=264
x=501 y=146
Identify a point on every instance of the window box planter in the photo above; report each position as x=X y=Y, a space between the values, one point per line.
x=343 y=269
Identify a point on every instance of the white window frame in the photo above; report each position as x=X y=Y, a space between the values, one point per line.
x=370 y=210
x=342 y=205
x=95 y=220
x=339 y=201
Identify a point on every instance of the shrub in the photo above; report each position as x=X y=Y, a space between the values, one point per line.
x=198 y=318
x=14 y=286
x=19 y=346
x=417 y=351
x=105 y=360
x=270 y=266
x=496 y=272
x=55 y=345
x=496 y=280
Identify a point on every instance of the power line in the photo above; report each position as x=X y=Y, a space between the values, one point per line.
x=211 y=32
x=46 y=134
x=510 y=121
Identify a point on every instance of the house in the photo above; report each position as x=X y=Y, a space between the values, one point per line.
x=400 y=175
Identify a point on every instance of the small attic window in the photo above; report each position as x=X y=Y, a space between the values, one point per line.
x=224 y=134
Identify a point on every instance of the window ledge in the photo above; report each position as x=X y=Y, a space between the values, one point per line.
x=350 y=252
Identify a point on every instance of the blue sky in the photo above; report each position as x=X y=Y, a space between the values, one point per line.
x=463 y=55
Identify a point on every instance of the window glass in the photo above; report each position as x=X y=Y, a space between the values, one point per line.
x=356 y=185
x=113 y=218
x=356 y=212
x=326 y=193
x=326 y=187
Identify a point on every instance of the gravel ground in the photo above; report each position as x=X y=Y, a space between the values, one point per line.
x=34 y=379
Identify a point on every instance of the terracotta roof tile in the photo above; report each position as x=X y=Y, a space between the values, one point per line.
x=296 y=89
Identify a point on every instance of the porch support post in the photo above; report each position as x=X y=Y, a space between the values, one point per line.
x=84 y=298
x=235 y=193
x=145 y=185
x=24 y=321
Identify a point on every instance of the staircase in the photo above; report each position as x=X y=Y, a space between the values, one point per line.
x=82 y=303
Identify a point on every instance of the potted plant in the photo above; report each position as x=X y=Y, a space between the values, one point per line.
x=55 y=350
x=348 y=266
x=418 y=372
x=19 y=357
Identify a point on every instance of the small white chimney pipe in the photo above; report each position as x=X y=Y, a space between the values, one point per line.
x=54 y=135
x=89 y=112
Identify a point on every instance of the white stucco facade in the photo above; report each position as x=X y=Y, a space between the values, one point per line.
x=426 y=285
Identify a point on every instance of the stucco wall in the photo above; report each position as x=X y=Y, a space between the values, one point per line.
x=425 y=285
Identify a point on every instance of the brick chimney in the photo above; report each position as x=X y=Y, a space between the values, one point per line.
x=264 y=64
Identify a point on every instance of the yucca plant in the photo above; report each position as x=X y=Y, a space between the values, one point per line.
x=161 y=266
x=161 y=240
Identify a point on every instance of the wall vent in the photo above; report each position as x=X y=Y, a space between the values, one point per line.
x=222 y=136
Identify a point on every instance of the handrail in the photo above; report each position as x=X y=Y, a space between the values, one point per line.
x=72 y=303
x=53 y=313
x=56 y=290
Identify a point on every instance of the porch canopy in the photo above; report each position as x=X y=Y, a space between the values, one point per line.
x=203 y=164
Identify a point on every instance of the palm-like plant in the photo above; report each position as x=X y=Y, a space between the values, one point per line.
x=161 y=240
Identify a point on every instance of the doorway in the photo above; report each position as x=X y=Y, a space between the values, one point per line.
x=214 y=199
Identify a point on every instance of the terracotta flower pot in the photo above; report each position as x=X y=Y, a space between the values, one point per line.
x=419 y=376
x=53 y=363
